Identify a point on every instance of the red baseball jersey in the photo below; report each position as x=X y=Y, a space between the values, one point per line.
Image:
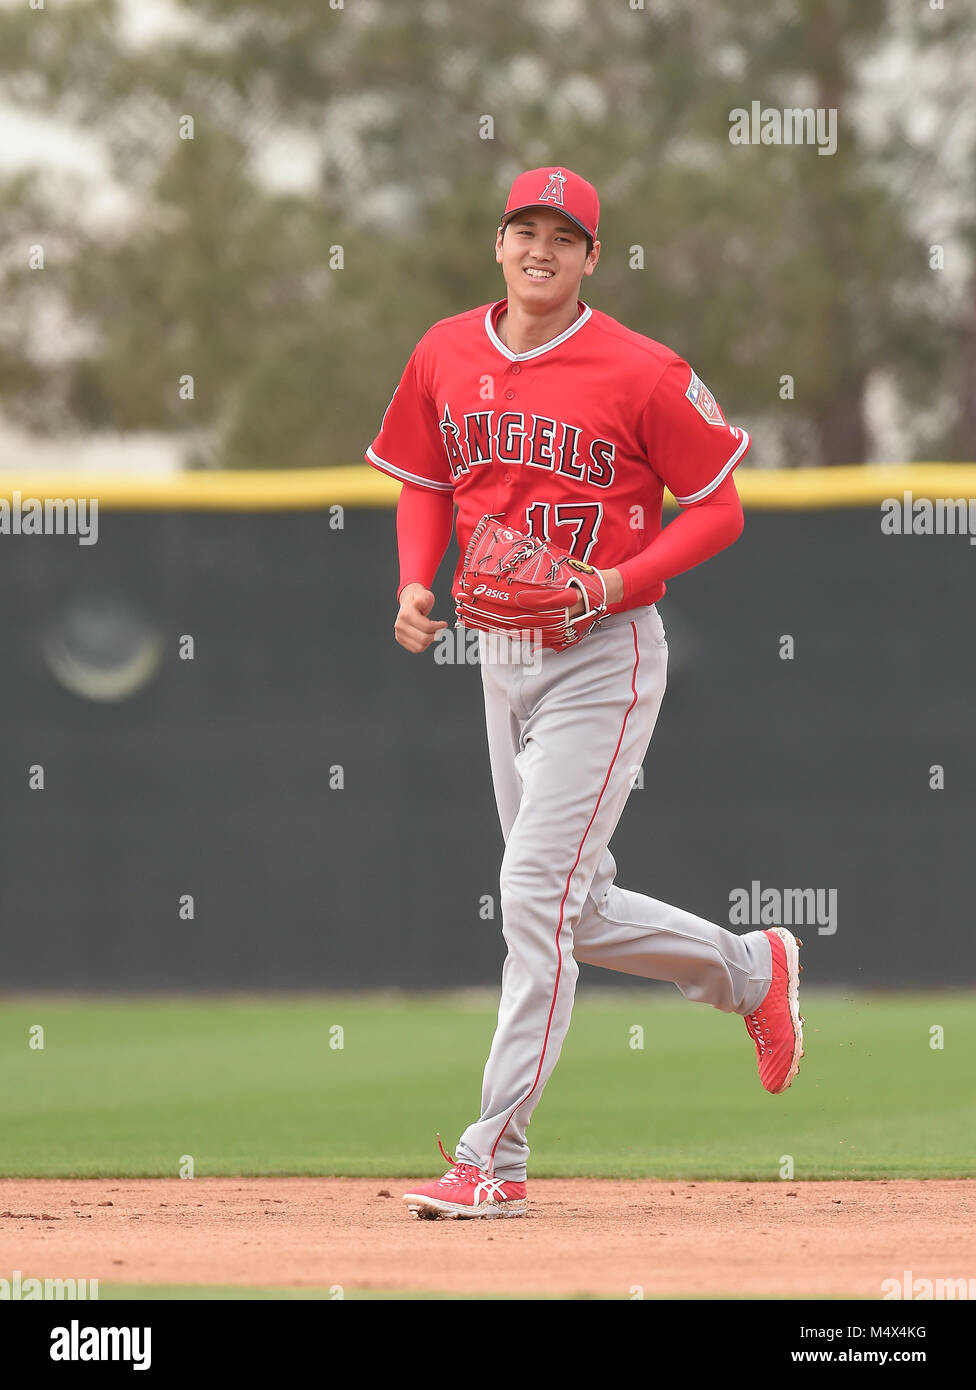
x=574 y=441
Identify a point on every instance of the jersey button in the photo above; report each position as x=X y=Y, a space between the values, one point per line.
x=515 y=369
x=510 y=395
x=508 y=477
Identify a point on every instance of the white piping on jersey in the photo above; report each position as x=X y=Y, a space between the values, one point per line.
x=533 y=352
x=697 y=496
x=404 y=476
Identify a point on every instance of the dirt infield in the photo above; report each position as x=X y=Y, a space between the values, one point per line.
x=579 y=1236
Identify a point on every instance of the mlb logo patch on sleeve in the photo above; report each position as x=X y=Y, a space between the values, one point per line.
x=704 y=402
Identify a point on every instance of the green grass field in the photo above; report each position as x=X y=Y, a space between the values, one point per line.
x=252 y=1087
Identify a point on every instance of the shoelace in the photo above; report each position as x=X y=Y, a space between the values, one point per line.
x=460 y=1172
x=757 y=1020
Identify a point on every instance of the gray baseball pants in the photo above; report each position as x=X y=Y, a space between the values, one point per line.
x=567 y=734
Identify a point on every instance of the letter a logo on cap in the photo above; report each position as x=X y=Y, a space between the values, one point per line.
x=561 y=188
x=553 y=191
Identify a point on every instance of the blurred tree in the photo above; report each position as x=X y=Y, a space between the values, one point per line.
x=294 y=311
x=930 y=156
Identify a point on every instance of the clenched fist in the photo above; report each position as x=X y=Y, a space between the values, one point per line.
x=413 y=629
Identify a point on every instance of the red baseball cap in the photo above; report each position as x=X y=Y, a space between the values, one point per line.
x=556 y=188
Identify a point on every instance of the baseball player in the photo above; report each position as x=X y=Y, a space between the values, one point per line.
x=548 y=419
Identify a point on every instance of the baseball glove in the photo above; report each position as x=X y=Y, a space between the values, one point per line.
x=512 y=583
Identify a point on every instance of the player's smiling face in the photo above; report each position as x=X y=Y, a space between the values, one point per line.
x=543 y=256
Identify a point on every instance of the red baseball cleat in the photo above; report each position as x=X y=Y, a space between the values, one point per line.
x=466 y=1192
x=776 y=1027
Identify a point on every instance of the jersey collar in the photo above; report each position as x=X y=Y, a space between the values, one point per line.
x=495 y=309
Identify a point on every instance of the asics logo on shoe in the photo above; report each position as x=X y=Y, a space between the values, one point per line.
x=490 y=1187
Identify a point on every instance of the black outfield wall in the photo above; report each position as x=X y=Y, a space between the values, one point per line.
x=217 y=776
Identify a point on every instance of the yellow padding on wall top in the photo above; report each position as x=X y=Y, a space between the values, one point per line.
x=282 y=489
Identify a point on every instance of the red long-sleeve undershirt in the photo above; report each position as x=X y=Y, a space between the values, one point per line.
x=696 y=534
x=425 y=520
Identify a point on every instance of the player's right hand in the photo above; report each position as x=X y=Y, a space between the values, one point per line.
x=413 y=629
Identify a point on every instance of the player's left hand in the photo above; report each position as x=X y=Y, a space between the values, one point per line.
x=615 y=590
